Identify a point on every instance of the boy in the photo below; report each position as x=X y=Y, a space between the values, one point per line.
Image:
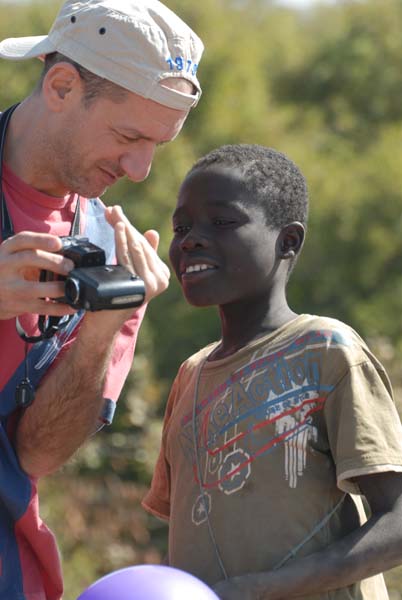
x=273 y=433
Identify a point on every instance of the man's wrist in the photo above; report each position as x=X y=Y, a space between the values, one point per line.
x=101 y=327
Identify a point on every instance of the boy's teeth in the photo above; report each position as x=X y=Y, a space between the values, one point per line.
x=195 y=268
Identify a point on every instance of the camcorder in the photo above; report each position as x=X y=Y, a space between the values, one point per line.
x=92 y=284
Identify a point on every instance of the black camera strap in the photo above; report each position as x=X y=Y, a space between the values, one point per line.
x=48 y=326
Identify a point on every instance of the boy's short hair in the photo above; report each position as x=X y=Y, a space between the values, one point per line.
x=271 y=179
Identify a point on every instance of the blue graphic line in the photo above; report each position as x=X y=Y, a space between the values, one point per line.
x=270 y=403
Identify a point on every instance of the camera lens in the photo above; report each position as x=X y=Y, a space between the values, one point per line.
x=72 y=290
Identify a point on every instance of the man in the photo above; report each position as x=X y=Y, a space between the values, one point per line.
x=119 y=79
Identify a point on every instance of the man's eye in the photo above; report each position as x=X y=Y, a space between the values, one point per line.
x=126 y=139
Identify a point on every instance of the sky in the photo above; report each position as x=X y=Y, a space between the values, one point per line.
x=292 y=3
x=298 y=4
x=305 y=3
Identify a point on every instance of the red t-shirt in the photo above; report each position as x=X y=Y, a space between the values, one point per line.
x=36 y=565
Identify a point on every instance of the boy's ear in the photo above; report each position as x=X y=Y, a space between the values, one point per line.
x=290 y=240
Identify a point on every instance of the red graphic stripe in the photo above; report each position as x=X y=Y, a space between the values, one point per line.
x=257 y=426
x=275 y=441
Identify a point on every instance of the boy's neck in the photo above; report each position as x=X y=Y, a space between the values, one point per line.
x=242 y=325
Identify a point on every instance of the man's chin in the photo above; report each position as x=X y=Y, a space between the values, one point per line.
x=93 y=192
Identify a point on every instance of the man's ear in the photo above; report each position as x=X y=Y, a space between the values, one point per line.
x=290 y=240
x=61 y=85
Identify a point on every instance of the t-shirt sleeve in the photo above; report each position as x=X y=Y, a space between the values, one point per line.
x=363 y=425
x=157 y=499
x=120 y=364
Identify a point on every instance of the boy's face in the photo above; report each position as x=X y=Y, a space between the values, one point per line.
x=223 y=251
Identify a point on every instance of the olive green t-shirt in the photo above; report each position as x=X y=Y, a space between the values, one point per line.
x=282 y=427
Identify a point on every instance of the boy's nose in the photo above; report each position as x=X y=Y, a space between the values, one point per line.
x=136 y=162
x=194 y=239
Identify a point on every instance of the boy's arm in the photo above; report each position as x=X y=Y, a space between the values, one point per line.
x=373 y=548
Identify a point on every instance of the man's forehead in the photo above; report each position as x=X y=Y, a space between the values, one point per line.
x=149 y=119
x=179 y=84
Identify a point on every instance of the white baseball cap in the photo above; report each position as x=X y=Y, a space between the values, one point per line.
x=133 y=43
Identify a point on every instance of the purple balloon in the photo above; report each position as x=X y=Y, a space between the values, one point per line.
x=148 y=582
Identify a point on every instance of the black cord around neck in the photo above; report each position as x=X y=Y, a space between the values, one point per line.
x=48 y=326
x=7 y=229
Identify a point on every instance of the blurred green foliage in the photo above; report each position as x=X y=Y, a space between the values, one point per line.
x=322 y=85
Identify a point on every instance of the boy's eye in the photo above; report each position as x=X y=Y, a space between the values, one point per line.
x=223 y=222
x=180 y=229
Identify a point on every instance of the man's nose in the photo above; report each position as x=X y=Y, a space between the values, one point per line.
x=136 y=162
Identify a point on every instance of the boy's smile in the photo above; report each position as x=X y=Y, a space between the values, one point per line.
x=223 y=251
x=197 y=268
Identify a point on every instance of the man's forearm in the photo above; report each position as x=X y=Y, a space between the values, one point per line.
x=69 y=402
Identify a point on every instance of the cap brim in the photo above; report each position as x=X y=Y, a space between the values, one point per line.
x=26 y=47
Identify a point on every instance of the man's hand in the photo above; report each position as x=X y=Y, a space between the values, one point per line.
x=22 y=257
x=138 y=253
x=69 y=400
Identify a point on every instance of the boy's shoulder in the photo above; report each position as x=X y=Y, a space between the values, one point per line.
x=329 y=325
x=336 y=341
x=330 y=344
x=327 y=332
x=304 y=330
x=194 y=361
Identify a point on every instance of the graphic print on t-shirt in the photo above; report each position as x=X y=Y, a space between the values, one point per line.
x=266 y=406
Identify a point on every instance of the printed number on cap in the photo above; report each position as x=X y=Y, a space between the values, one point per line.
x=180 y=64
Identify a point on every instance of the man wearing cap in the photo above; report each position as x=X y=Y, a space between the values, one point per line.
x=119 y=79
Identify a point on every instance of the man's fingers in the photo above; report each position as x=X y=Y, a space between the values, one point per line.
x=51 y=289
x=28 y=240
x=30 y=291
x=34 y=298
x=152 y=237
x=36 y=259
x=138 y=253
x=123 y=253
x=52 y=309
x=33 y=250
x=114 y=214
